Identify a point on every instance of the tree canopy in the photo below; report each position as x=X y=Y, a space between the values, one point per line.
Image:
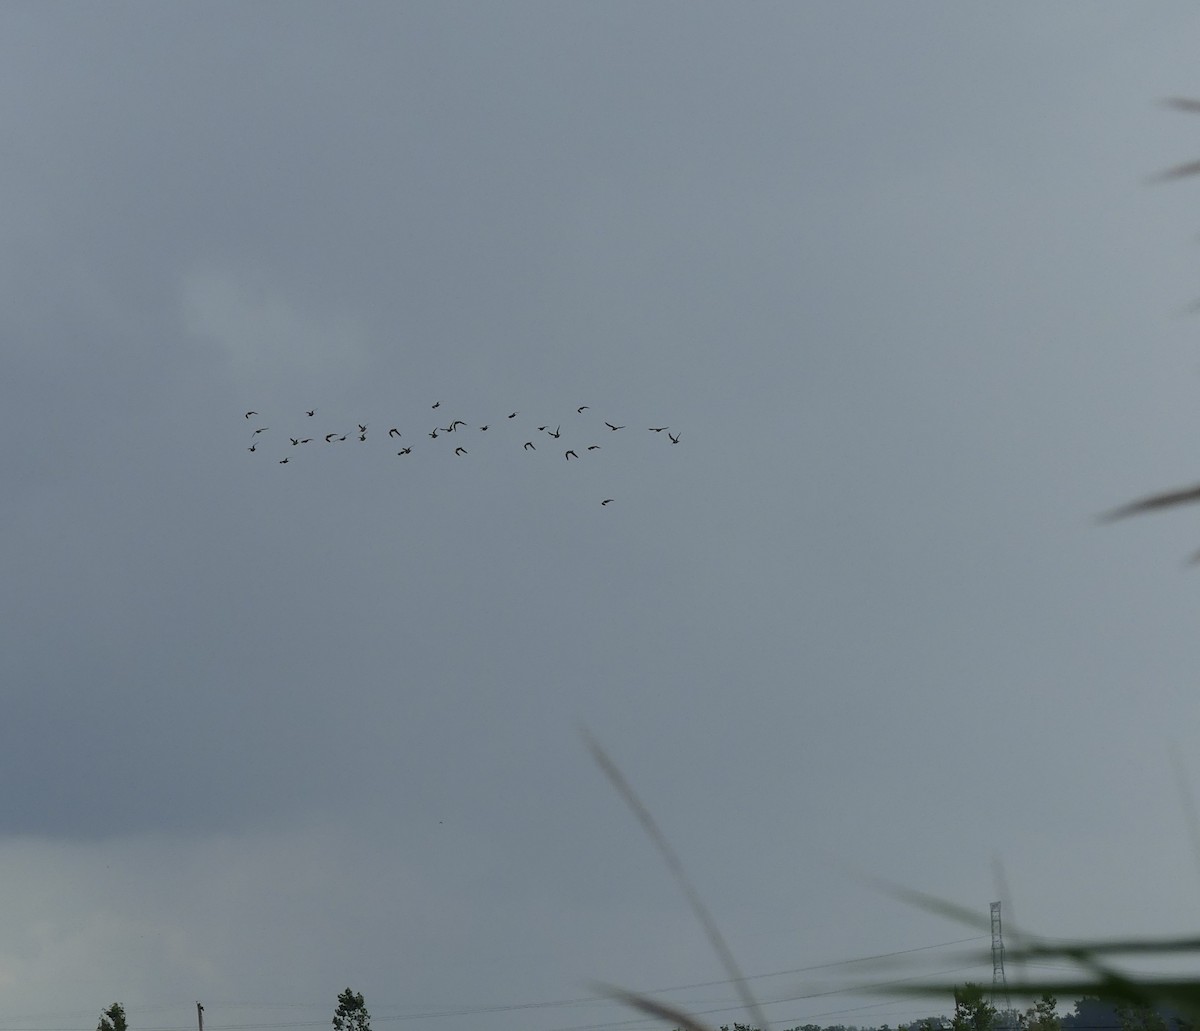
x=113 y=1019
x=351 y=1013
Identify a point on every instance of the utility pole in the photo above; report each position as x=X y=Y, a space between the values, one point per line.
x=200 y=1016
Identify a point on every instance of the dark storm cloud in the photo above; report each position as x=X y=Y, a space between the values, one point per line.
x=881 y=269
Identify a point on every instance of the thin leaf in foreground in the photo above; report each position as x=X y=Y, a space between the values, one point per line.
x=1168 y=499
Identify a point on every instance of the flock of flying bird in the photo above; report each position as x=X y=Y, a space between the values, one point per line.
x=438 y=431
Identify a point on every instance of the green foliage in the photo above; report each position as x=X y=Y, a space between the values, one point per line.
x=1042 y=1015
x=113 y=1019
x=972 y=1012
x=1091 y=1012
x=1139 y=1016
x=1100 y=985
x=351 y=1013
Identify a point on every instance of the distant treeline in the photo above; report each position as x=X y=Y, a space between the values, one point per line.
x=1088 y=1014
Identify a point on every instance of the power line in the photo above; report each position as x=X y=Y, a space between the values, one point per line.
x=432 y=1013
x=791 y=1021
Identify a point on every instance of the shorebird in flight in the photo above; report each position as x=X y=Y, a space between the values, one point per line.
x=568 y=455
x=294 y=440
x=556 y=433
x=529 y=446
x=312 y=413
x=248 y=414
x=393 y=432
x=252 y=447
x=460 y=450
x=283 y=461
x=581 y=409
x=514 y=415
x=612 y=427
x=674 y=437
x=330 y=437
x=605 y=501
x=658 y=429
x=261 y=429
x=593 y=447
x=436 y=404
x=404 y=451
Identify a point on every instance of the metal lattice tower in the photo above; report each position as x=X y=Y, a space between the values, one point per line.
x=999 y=982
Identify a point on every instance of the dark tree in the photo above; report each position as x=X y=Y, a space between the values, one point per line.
x=1139 y=1017
x=113 y=1019
x=351 y=1014
x=972 y=1012
x=1091 y=1012
x=1042 y=1015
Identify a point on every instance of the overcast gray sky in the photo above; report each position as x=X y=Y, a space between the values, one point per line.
x=893 y=274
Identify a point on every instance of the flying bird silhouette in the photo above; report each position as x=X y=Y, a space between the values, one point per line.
x=1157 y=501
x=606 y=501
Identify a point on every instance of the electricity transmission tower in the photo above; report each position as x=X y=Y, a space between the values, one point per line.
x=999 y=982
